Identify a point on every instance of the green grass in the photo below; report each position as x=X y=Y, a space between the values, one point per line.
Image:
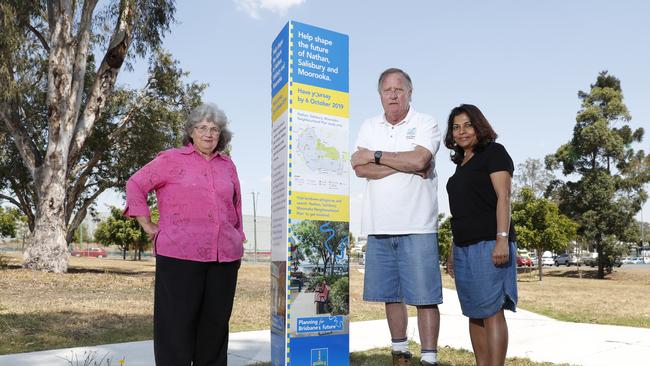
x=446 y=357
x=111 y=301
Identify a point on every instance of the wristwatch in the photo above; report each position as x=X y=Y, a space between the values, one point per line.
x=377 y=156
x=502 y=234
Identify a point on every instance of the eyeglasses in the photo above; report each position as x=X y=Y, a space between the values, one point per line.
x=464 y=126
x=204 y=130
x=390 y=92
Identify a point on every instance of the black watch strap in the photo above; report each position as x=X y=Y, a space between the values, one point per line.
x=377 y=156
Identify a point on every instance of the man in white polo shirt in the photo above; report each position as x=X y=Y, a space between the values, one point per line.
x=396 y=155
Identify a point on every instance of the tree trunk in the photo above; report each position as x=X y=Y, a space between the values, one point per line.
x=601 y=265
x=47 y=249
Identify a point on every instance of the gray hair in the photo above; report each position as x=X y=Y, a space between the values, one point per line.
x=394 y=70
x=211 y=113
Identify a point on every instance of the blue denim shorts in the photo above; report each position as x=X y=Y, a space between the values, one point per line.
x=403 y=268
x=483 y=288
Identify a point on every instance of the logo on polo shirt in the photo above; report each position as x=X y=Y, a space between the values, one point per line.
x=410 y=133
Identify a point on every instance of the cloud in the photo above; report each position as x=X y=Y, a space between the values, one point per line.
x=254 y=7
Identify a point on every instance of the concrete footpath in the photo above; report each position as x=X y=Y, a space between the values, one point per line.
x=531 y=335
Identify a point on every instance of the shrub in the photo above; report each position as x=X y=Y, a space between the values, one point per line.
x=315 y=279
x=340 y=297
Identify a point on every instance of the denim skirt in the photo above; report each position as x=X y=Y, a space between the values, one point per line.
x=483 y=288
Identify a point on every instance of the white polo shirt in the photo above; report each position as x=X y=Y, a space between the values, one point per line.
x=400 y=203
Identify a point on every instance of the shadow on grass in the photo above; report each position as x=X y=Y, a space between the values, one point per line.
x=79 y=269
x=38 y=331
x=575 y=273
x=114 y=270
x=528 y=275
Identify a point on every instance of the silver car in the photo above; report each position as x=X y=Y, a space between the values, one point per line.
x=566 y=259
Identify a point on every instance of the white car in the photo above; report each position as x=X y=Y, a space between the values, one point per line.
x=547 y=261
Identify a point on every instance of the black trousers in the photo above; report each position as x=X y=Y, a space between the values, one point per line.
x=192 y=307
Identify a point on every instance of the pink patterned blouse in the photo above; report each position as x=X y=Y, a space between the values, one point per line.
x=199 y=203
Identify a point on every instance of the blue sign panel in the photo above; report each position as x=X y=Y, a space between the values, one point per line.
x=280 y=60
x=333 y=350
x=320 y=57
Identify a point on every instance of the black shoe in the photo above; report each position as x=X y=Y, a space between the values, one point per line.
x=425 y=363
x=401 y=358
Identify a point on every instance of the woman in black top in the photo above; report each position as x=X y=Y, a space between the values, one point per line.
x=482 y=260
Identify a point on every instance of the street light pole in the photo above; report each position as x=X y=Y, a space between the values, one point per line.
x=255 y=195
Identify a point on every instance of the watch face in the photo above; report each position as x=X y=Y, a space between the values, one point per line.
x=377 y=154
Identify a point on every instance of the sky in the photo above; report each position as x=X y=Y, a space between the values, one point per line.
x=521 y=62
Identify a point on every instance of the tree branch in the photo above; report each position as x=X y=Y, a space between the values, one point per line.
x=24 y=204
x=59 y=82
x=81 y=213
x=26 y=148
x=11 y=200
x=81 y=55
x=74 y=192
x=105 y=78
x=40 y=37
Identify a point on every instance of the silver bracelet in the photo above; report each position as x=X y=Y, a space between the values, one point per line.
x=503 y=234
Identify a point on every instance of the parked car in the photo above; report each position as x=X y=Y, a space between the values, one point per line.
x=523 y=261
x=89 y=252
x=566 y=259
x=636 y=260
x=547 y=261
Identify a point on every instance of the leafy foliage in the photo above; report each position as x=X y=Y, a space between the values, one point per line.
x=81 y=234
x=609 y=191
x=444 y=237
x=340 y=297
x=540 y=225
x=8 y=222
x=123 y=232
x=313 y=238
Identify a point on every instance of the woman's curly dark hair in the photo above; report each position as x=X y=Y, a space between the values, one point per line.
x=484 y=132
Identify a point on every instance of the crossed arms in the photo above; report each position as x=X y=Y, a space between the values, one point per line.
x=417 y=162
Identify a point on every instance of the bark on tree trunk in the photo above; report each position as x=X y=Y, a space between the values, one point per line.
x=601 y=264
x=47 y=249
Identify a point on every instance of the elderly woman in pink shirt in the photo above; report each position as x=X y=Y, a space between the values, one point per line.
x=198 y=240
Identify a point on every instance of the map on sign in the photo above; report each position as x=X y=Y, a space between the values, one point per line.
x=322 y=160
x=319 y=154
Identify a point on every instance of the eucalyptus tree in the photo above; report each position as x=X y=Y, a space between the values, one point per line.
x=68 y=132
x=532 y=174
x=610 y=173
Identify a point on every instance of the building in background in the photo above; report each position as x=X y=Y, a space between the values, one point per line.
x=263 y=226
